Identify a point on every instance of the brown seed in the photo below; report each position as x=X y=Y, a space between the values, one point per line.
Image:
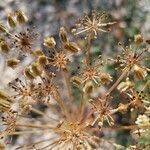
x=12 y=62
x=76 y=80
x=42 y=60
x=49 y=42
x=72 y=47
x=21 y=17
x=63 y=35
x=36 y=69
x=4 y=47
x=138 y=39
x=88 y=87
x=29 y=74
x=38 y=52
x=2 y=28
x=11 y=21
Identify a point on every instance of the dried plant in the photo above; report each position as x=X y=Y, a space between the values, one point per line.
x=35 y=106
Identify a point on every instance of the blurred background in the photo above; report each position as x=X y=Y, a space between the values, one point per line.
x=132 y=16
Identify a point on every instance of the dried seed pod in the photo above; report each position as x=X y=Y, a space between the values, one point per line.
x=21 y=17
x=65 y=69
x=138 y=39
x=105 y=77
x=76 y=80
x=42 y=60
x=5 y=101
x=3 y=95
x=2 y=28
x=4 y=47
x=29 y=74
x=49 y=42
x=140 y=72
x=122 y=108
x=5 y=105
x=124 y=86
x=88 y=87
x=11 y=21
x=12 y=62
x=63 y=35
x=36 y=69
x=38 y=52
x=72 y=47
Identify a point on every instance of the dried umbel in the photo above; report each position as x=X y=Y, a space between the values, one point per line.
x=56 y=115
x=93 y=24
x=25 y=40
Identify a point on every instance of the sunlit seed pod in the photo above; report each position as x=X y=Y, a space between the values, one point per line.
x=63 y=35
x=5 y=48
x=2 y=28
x=49 y=42
x=5 y=105
x=122 y=108
x=105 y=78
x=88 y=87
x=36 y=69
x=21 y=17
x=5 y=101
x=38 y=52
x=138 y=39
x=3 y=95
x=72 y=47
x=11 y=21
x=76 y=81
x=12 y=62
x=42 y=60
x=124 y=86
x=140 y=72
x=65 y=70
x=29 y=74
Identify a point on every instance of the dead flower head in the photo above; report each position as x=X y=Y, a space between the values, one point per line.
x=93 y=24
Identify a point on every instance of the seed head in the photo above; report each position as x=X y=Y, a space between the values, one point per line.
x=25 y=40
x=93 y=24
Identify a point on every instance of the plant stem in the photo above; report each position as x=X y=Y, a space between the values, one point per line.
x=41 y=113
x=34 y=126
x=67 y=85
x=117 y=82
x=88 y=49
